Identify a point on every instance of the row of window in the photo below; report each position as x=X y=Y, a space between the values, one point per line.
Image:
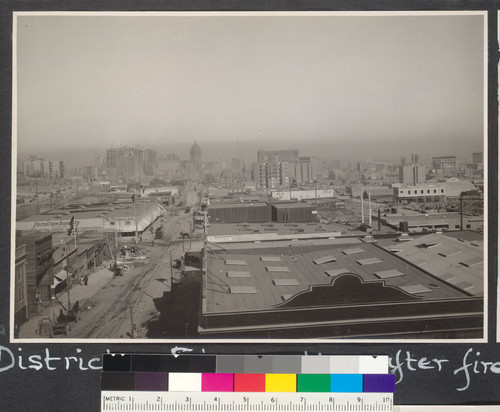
x=422 y=191
x=112 y=223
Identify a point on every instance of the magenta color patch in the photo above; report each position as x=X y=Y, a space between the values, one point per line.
x=217 y=382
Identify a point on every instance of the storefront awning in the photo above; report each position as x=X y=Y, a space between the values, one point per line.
x=60 y=277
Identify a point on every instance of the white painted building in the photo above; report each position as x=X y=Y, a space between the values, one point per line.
x=302 y=194
x=431 y=192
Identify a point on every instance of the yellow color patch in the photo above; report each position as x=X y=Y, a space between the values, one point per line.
x=281 y=382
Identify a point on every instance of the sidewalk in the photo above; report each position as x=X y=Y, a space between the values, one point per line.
x=80 y=293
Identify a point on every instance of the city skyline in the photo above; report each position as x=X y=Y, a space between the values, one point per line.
x=321 y=84
x=87 y=157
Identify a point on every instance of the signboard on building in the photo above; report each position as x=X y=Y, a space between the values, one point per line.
x=60 y=225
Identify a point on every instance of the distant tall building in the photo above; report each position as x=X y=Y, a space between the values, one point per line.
x=447 y=164
x=150 y=162
x=306 y=169
x=20 y=168
x=38 y=167
x=238 y=164
x=412 y=174
x=275 y=168
x=272 y=175
x=264 y=156
x=126 y=162
x=477 y=158
x=195 y=157
x=91 y=173
x=35 y=167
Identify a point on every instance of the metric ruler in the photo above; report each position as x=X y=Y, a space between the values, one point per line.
x=244 y=401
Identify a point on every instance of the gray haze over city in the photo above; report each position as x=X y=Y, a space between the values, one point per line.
x=263 y=176
x=359 y=87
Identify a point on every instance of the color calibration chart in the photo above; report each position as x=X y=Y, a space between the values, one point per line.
x=246 y=383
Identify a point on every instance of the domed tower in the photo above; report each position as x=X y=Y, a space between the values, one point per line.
x=195 y=156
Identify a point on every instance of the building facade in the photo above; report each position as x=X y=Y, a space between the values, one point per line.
x=419 y=193
x=39 y=269
x=448 y=164
x=276 y=156
x=20 y=290
x=125 y=162
x=195 y=157
x=412 y=174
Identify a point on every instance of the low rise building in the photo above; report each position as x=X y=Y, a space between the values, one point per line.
x=123 y=218
x=421 y=222
x=20 y=288
x=376 y=192
x=431 y=192
x=302 y=194
x=39 y=269
x=331 y=288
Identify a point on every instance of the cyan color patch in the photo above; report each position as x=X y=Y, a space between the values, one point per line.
x=346 y=383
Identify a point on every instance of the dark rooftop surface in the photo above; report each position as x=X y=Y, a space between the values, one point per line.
x=455 y=257
x=292 y=205
x=238 y=205
x=218 y=229
x=299 y=260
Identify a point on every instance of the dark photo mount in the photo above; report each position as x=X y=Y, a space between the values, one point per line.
x=440 y=386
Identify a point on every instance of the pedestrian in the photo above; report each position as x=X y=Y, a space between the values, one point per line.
x=81 y=280
x=77 y=311
x=86 y=280
x=62 y=317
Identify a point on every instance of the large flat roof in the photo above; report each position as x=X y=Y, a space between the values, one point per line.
x=458 y=261
x=239 y=204
x=291 y=205
x=106 y=211
x=217 y=229
x=372 y=263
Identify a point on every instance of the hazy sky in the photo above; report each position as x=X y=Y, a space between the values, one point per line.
x=331 y=85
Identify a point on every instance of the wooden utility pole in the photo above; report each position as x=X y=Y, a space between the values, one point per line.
x=461 y=212
x=132 y=326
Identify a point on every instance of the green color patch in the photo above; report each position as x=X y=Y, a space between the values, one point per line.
x=312 y=382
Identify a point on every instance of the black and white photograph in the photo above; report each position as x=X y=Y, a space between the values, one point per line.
x=249 y=177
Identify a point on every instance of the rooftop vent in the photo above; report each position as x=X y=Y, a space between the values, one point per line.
x=242 y=290
x=277 y=269
x=238 y=262
x=325 y=259
x=237 y=274
x=286 y=282
x=386 y=274
x=449 y=252
x=368 y=261
x=415 y=289
x=336 y=272
x=270 y=259
x=352 y=251
x=472 y=262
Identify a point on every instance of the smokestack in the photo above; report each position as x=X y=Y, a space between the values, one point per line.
x=369 y=210
x=362 y=211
